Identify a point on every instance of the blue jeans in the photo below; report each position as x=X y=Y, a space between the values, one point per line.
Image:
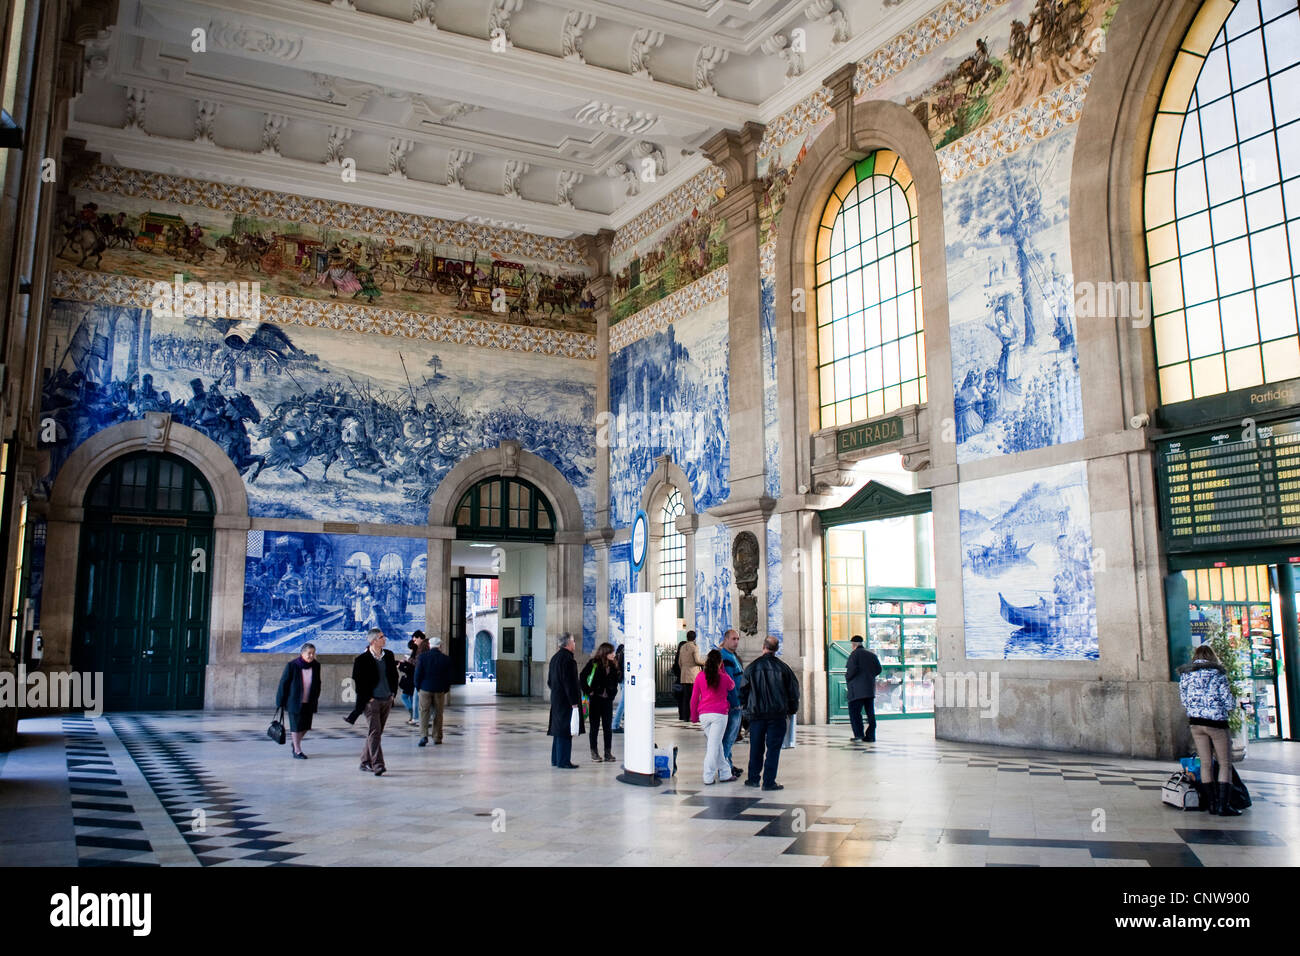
x=618 y=711
x=561 y=751
x=412 y=704
x=765 y=738
x=731 y=733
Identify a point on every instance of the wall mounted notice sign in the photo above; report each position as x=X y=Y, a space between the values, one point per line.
x=526 y=610
x=640 y=540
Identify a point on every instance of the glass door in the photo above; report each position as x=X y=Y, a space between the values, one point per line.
x=902 y=634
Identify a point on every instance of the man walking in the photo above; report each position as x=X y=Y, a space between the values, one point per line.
x=374 y=674
x=731 y=664
x=770 y=694
x=433 y=683
x=860 y=678
x=562 y=679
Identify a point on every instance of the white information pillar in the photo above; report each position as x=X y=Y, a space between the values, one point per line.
x=639 y=619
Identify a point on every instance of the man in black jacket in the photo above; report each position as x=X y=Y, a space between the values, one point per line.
x=769 y=694
x=433 y=683
x=562 y=679
x=374 y=674
x=860 y=678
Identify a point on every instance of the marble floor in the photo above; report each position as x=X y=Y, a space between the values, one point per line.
x=209 y=789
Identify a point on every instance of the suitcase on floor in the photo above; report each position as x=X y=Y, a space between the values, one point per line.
x=1179 y=791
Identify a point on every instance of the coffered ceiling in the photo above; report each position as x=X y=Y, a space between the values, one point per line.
x=558 y=116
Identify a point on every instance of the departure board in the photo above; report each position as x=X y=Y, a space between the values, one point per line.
x=1231 y=489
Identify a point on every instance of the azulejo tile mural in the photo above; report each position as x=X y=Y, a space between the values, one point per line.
x=670 y=309
x=153 y=227
x=320 y=424
x=620 y=583
x=1027 y=575
x=667 y=261
x=589 y=599
x=775 y=590
x=713 y=575
x=329 y=589
x=1015 y=361
x=668 y=393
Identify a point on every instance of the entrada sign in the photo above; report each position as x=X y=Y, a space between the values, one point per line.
x=871 y=433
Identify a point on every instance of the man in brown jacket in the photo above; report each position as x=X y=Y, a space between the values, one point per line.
x=689 y=665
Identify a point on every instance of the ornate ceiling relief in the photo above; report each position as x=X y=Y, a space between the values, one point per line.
x=576 y=24
x=423 y=13
x=272 y=126
x=515 y=170
x=565 y=182
x=706 y=61
x=779 y=45
x=254 y=40
x=205 y=116
x=643 y=41
x=621 y=119
x=457 y=160
x=820 y=10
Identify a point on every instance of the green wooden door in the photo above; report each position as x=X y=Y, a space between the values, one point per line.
x=837 y=692
x=144 y=585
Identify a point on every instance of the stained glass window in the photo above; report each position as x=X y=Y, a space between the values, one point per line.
x=1223 y=203
x=672 y=549
x=870 y=334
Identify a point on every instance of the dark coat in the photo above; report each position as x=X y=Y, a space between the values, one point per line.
x=365 y=674
x=562 y=679
x=289 y=693
x=433 y=672
x=861 y=672
x=604 y=683
x=770 y=691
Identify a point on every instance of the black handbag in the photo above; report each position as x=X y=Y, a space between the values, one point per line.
x=276 y=730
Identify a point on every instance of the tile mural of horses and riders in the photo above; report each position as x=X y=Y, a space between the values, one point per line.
x=155 y=239
x=1027 y=579
x=329 y=589
x=667 y=260
x=320 y=424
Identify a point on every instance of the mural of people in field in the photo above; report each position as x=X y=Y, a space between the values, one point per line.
x=321 y=424
x=152 y=239
x=330 y=589
x=667 y=261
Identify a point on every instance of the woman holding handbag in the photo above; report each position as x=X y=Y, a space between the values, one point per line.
x=599 y=681
x=298 y=694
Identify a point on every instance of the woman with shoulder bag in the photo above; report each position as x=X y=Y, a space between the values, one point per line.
x=298 y=695
x=1207 y=696
x=599 y=681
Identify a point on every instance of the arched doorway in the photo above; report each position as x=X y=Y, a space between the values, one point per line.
x=144 y=582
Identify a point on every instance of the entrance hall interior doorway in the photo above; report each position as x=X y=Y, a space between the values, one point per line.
x=144 y=582
x=879 y=583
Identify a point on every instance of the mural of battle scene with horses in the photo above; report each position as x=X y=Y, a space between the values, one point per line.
x=665 y=262
x=1023 y=51
x=155 y=240
x=324 y=425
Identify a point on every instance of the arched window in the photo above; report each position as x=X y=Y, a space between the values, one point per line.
x=1223 y=203
x=146 y=482
x=870 y=334
x=505 y=509
x=672 y=548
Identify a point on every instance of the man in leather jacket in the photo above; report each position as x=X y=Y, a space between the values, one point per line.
x=769 y=694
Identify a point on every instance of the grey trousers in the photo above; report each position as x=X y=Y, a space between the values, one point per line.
x=1216 y=738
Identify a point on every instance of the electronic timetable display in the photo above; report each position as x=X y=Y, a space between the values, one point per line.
x=1229 y=488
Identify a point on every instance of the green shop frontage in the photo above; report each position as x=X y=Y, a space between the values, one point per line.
x=879 y=583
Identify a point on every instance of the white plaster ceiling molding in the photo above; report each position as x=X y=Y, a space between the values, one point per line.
x=779 y=45
x=335 y=143
x=272 y=126
x=205 y=115
x=621 y=119
x=137 y=102
x=252 y=39
x=706 y=62
x=398 y=150
x=829 y=11
x=576 y=23
x=499 y=21
x=457 y=160
x=425 y=13
x=565 y=181
x=514 y=172
x=638 y=62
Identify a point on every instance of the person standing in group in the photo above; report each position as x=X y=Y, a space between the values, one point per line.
x=709 y=707
x=432 y=684
x=689 y=663
x=860 y=678
x=406 y=678
x=600 y=679
x=769 y=693
x=566 y=698
x=374 y=674
x=622 y=694
x=298 y=694
x=1206 y=694
x=731 y=664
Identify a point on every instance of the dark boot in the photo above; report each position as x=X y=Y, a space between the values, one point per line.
x=1209 y=797
x=1226 y=809
x=595 y=755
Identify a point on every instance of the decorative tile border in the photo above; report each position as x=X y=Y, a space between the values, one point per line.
x=795 y=122
x=1052 y=111
x=696 y=191
x=669 y=309
x=165 y=187
x=935 y=28
x=346 y=317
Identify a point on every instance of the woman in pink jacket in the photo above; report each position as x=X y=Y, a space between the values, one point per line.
x=709 y=707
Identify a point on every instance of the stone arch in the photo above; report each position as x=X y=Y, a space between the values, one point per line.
x=1107 y=235
x=857 y=130
x=510 y=460
x=668 y=474
x=156 y=432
